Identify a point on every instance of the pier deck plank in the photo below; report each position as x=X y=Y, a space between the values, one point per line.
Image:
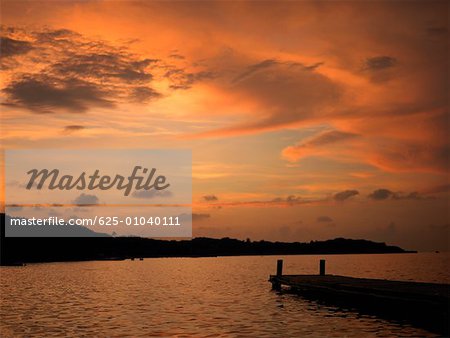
x=424 y=303
x=376 y=286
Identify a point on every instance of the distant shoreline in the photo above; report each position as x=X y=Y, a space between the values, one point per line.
x=117 y=259
x=24 y=250
x=16 y=251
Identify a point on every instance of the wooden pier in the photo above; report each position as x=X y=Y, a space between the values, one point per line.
x=425 y=305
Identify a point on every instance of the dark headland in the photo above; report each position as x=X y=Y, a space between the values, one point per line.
x=19 y=250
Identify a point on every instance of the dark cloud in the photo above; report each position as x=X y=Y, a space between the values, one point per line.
x=324 y=219
x=72 y=128
x=384 y=194
x=42 y=94
x=291 y=92
x=313 y=66
x=149 y=194
x=380 y=62
x=182 y=79
x=210 y=198
x=177 y=56
x=105 y=66
x=313 y=146
x=411 y=196
x=142 y=64
x=256 y=67
x=143 y=94
x=344 y=195
x=86 y=199
x=73 y=73
x=200 y=217
x=58 y=34
x=329 y=137
x=10 y=47
x=270 y=63
x=381 y=194
x=291 y=199
x=423 y=155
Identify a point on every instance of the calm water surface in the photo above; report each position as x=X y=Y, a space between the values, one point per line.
x=227 y=296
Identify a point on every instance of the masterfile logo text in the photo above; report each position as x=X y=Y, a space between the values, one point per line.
x=143 y=192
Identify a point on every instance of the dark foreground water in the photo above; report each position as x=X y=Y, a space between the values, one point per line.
x=226 y=296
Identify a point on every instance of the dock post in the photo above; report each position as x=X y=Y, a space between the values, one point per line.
x=276 y=285
x=279 y=268
x=322 y=267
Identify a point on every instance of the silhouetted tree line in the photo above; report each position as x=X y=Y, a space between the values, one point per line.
x=15 y=250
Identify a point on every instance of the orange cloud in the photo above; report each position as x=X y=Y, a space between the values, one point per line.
x=353 y=95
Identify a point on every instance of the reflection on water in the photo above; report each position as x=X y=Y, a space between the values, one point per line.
x=227 y=296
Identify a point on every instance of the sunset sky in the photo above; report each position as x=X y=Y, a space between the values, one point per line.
x=306 y=120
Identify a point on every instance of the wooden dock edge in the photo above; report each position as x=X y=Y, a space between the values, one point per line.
x=427 y=312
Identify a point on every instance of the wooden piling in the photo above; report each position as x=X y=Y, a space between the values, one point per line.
x=280 y=267
x=322 y=267
x=275 y=284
